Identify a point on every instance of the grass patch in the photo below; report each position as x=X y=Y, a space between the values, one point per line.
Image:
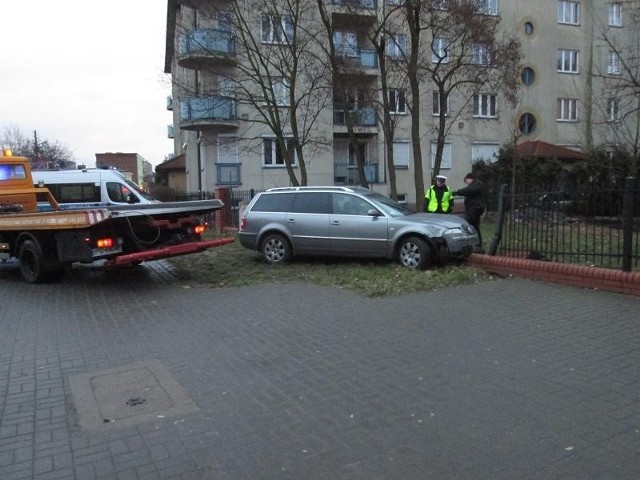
x=233 y=265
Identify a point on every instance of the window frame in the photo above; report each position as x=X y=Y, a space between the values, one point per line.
x=615 y=14
x=404 y=165
x=566 y=109
x=439 y=54
x=568 y=12
x=614 y=63
x=447 y=155
x=487 y=7
x=481 y=54
x=285 y=29
x=396 y=45
x=397 y=98
x=281 y=97
x=486 y=108
x=568 y=58
x=613 y=109
x=437 y=104
x=275 y=154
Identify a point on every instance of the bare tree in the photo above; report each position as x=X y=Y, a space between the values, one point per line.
x=42 y=153
x=275 y=73
x=616 y=73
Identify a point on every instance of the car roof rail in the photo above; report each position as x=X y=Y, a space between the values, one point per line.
x=337 y=188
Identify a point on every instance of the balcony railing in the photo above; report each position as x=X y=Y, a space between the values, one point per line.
x=207 y=110
x=361 y=58
x=356 y=4
x=362 y=117
x=347 y=173
x=205 y=44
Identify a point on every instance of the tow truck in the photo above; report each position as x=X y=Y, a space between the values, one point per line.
x=47 y=243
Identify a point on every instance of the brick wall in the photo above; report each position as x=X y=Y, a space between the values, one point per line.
x=567 y=274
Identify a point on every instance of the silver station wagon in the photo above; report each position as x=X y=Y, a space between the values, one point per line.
x=350 y=222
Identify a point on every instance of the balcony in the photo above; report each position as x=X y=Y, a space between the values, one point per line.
x=171 y=131
x=365 y=119
x=347 y=173
x=206 y=47
x=169 y=103
x=345 y=12
x=197 y=4
x=208 y=113
x=358 y=61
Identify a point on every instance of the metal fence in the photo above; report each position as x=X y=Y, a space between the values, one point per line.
x=594 y=227
x=239 y=198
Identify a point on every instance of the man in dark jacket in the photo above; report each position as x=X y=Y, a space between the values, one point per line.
x=475 y=200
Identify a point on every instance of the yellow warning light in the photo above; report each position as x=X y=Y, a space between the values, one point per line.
x=6 y=152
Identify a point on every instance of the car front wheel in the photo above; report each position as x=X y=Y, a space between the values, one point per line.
x=414 y=252
x=275 y=249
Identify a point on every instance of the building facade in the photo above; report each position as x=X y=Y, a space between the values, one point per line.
x=570 y=52
x=132 y=165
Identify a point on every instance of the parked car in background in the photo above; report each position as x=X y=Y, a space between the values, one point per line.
x=350 y=222
x=557 y=201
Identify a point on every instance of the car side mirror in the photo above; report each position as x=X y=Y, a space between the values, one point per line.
x=373 y=212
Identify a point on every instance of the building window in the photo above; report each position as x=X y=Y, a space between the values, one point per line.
x=487 y=152
x=276 y=28
x=396 y=45
x=401 y=154
x=567 y=110
x=567 y=61
x=527 y=123
x=440 y=4
x=446 y=156
x=346 y=43
x=395 y=2
x=484 y=105
x=480 y=54
x=272 y=155
x=615 y=14
x=614 y=65
x=487 y=7
x=397 y=103
x=528 y=28
x=281 y=92
x=613 y=110
x=439 y=50
x=528 y=76
x=440 y=104
x=568 y=12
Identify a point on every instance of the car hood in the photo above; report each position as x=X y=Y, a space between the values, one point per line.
x=442 y=220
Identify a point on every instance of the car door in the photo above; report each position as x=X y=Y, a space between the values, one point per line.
x=308 y=223
x=353 y=231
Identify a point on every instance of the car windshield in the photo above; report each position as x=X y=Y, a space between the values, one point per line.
x=388 y=206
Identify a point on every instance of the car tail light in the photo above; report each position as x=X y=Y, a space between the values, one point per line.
x=243 y=223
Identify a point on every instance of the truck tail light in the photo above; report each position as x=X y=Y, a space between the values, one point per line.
x=199 y=229
x=107 y=242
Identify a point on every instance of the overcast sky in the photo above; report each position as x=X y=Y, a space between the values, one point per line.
x=87 y=74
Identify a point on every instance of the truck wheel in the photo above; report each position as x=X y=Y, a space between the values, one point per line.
x=31 y=262
x=414 y=252
x=275 y=248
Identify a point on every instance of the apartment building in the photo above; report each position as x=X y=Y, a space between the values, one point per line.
x=131 y=164
x=564 y=98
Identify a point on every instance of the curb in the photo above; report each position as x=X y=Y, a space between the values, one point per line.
x=567 y=274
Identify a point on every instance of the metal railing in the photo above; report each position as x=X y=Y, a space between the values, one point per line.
x=594 y=227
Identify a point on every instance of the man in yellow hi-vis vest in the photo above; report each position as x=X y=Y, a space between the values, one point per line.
x=439 y=197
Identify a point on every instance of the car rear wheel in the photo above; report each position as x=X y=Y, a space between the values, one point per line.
x=276 y=249
x=414 y=252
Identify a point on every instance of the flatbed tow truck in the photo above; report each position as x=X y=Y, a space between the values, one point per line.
x=47 y=243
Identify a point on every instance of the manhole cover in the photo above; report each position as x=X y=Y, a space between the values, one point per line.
x=128 y=395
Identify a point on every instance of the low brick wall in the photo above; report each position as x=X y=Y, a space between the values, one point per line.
x=567 y=274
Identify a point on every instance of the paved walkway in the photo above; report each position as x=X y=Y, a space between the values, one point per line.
x=141 y=377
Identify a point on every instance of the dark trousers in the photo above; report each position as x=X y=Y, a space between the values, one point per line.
x=472 y=215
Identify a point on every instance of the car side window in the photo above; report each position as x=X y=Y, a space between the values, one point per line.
x=345 y=204
x=273 y=202
x=310 y=202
